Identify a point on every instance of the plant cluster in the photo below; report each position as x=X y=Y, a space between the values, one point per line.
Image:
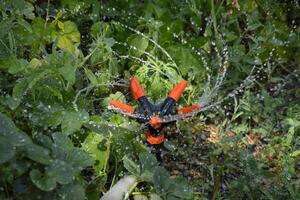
x=61 y=62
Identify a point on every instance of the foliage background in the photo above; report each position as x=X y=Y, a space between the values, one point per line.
x=61 y=62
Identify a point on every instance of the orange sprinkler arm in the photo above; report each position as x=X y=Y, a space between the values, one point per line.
x=178 y=90
x=136 y=88
x=188 y=109
x=122 y=106
x=155 y=139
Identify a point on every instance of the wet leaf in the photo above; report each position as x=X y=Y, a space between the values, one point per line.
x=42 y=181
x=72 y=191
x=61 y=171
x=99 y=155
x=73 y=120
x=131 y=166
x=7 y=150
x=161 y=180
x=69 y=36
x=37 y=153
x=140 y=43
x=79 y=159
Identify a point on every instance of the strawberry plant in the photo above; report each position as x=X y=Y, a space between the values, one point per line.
x=63 y=62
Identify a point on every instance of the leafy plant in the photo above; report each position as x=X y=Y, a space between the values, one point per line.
x=61 y=62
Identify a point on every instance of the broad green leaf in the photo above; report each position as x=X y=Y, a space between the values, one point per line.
x=13 y=64
x=161 y=179
x=139 y=45
x=68 y=72
x=42 y=181
x=24 y=8
x=37 y=153
x=62 y=140
x=70 y=29
x=69 y=37
x=65 y=43
x=72 y=192
x=11 y=132
x=37 y=77
x=61 y=171
x=131 y=166
x=157 y=87
x=148 y=161
x=180 y=188
x=43 y=140
x=90 y=145
x=7 y=150
x=79 y=159
x=295 y=153
x=73 y=120
x=25 y=84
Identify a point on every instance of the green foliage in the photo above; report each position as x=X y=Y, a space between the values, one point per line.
x=96 y=146
x=150 y=171
x=61 y=62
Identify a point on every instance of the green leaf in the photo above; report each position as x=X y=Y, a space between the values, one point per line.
x=79 y=159
x=90 y=145
x=63 y=172
x=70 y=29
x=148 y=161
x=72 y=192
x=109 y=42
x=295 y=153
x=27 y=83
x=11 y=132
x=34 y=63
x=19 y=90
x=62 y=140
x=73 y=120
x=24 y=8
x=180 y=188
x=65 y=43
x=140 y=43
x=91 y=76
x=118 y=96
x=68 y=72
x=161 y=179
x=69 y=36
x=37 y=153
x=131 y=166
x=13 y=64
x=7 y=150
x=42 y=181
x=43 y=140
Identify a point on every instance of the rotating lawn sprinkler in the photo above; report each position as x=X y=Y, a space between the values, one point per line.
x=156 y=117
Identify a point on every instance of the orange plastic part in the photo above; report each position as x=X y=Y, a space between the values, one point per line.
x=136 y=88
x=188 y=109
x=155 y=139
x=178 y=90
x=122 y=106
x=155 y=122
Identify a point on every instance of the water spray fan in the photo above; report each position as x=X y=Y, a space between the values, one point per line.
x=153 y=115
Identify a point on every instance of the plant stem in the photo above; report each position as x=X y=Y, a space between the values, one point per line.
x=131 y=190
x=213 y=15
